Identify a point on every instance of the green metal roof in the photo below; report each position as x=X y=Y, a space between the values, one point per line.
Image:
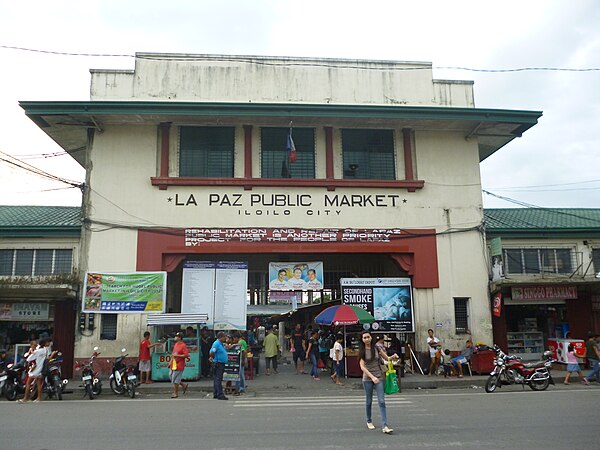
x=68 y=122
x=542 y=222
x=32 y=221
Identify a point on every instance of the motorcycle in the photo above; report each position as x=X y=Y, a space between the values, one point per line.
x=3 y=378
x=14 y=384
x=123 y=378
x=53 y=382
x=509 y=369
x=89 y=377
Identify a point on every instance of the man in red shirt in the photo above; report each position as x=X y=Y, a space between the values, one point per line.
x=178 y=356
x=145 y=364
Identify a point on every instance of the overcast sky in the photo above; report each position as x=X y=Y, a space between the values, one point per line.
x=555 y=164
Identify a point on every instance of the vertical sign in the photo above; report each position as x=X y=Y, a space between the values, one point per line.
x=497 y=304
x=230 y=295
x=198 y=289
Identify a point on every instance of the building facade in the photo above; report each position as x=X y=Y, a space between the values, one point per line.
x=39 y=277
x=545 y=282
x=188 y=159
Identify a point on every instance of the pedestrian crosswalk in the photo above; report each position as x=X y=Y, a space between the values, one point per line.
x=314 y=401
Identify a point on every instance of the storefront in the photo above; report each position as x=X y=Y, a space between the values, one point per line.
x=530 y=319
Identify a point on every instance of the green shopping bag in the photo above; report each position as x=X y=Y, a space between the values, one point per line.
x=391 y=381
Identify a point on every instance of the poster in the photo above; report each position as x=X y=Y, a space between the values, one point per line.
x=296 y=276
x=197 y=290
x=388 y=300
x=135 y=292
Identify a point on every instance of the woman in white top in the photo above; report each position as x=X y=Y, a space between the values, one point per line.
x=337 y=356
x=36 y=360
x=433 y=343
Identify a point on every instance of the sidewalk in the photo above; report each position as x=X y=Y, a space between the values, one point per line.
x=288 y=382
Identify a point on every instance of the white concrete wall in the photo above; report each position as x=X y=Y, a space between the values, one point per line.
x=221 y=78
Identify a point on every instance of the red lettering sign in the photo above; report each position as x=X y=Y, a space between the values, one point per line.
x=497 y=304
x=544 y=292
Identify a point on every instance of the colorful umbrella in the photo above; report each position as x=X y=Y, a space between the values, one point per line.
x=343 y=315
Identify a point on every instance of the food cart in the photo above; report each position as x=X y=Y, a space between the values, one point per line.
x=559 y=348
x=161 y=358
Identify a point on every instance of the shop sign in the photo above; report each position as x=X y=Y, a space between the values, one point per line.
x=544 y=292
x=24 y=311
x=388 y=300
x=497 y=305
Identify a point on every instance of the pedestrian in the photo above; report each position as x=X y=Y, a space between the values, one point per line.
x=313 y=353
x=593 y=355
x=179 y=354
x=447 y=363
x=373 y=379
x=298 y=348
x=337 y=356
x=205 y=349
x=463 y=358
x=325 y=345
x=573 y=366
x=145 y=365
x=218 y=356
x=243 y=349
x=433 y=344
x=36 y=360
x=271 y=351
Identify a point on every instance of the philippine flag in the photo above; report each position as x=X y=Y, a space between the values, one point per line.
x=291 y=148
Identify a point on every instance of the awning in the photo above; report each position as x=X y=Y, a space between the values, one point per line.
x=268 y=310
x=177 y=319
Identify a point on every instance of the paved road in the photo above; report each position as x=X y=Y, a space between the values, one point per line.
x=470 y=419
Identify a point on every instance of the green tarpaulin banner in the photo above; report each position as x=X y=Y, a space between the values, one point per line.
x=136 y=292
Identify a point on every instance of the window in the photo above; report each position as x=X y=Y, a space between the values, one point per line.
x=595 y=260
x=274 y=153
x=206 y=152
x=368 y=154
x=36 y=262
x=536 y=261
x=108 y=327
x=461 y=315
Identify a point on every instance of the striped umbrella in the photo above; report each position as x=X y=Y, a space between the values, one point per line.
x=344 y=315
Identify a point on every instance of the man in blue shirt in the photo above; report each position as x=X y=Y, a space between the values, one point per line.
x=218 y=356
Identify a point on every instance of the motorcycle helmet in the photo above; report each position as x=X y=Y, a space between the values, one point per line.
x=547 y=354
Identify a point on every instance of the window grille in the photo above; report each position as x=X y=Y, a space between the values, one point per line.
x=273 y=151
x=539 y=260
x=206 y=151
x=461 y=315
x=368 y=154
x=35 y=262
x=108 y=327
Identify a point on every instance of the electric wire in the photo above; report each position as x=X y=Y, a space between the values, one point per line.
x=252 y=60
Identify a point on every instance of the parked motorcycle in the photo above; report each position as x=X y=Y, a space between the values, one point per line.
x=53 y=381
x=14 y=384
x=89 y=377
x=509 y=369
x=123 y=378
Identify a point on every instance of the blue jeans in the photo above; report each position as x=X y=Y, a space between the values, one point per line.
x=595 y=370
x=241 y=384
x=314 y=372
x=218 y=380
x=379 y=387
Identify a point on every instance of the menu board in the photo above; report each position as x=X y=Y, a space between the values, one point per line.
x=232 y=367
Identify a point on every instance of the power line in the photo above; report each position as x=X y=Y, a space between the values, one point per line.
x=32 y=169
x=251 y=60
